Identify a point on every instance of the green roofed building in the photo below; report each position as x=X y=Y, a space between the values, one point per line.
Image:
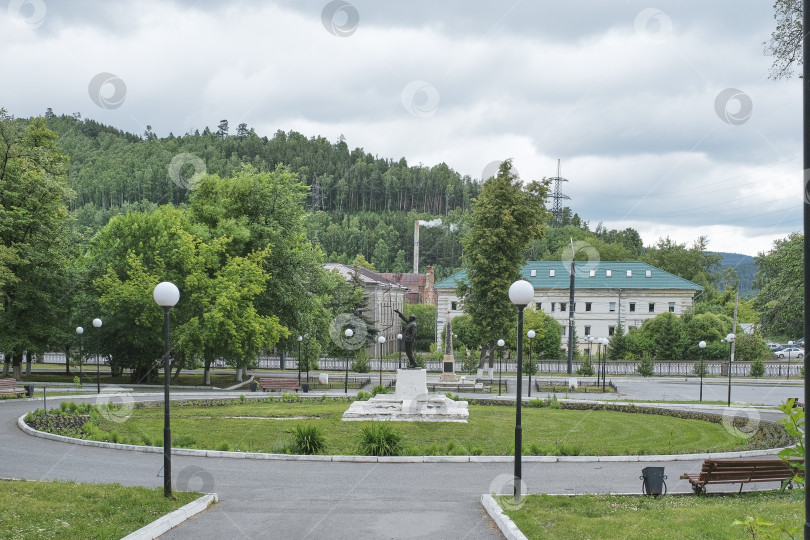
x=605 y=293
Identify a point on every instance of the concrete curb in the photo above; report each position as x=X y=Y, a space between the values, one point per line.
x=504 y=523
x=173 y=519
x=392 y=459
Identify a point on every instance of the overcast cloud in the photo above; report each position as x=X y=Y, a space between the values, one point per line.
x=662 y=115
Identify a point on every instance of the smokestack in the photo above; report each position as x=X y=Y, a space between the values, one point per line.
x=416 y=247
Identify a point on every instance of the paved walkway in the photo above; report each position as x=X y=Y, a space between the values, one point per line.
x=306 y=499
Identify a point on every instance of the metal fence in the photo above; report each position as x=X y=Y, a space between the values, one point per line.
x=662 y=368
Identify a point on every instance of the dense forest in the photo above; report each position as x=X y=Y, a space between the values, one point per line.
x=359 y=204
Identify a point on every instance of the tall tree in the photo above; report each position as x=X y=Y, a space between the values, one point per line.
x=780 y=281
x=506 y=216
x=785 y=44
x=33 y=233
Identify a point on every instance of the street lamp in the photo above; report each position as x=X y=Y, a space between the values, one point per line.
x=166 y=295
x=730 y=338
x=521 y=293
x=604 y=341
x=381 y=340
x=348 y=333
x=399 y=362
x=790 y=345
x=80 y=331
x=306 y=383
x=530 y=334
x=702 y=346
x=298 y=360
x=97 y=324
x=501 y=343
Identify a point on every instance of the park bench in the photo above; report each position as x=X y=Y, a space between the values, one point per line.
x=732 y=471
x=9 y=386
x=267 y=383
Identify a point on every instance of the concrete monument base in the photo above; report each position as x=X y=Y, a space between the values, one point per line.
x=410 y=403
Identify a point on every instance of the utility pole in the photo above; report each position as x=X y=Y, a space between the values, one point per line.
x=571 y=314
x=733 y=344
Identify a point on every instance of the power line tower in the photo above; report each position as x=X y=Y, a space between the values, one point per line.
x=558 y=196
x=317 y=198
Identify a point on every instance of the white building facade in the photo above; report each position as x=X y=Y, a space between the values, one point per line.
x=605 y=294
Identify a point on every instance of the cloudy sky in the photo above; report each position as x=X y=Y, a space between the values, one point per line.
x=662 y=114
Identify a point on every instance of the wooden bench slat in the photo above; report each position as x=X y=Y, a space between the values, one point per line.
x=740 y=471
x=267 y=383
x=9 y=386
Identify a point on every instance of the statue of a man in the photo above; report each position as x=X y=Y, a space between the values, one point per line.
x=408 y=337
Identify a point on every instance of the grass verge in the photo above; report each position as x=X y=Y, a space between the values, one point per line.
x=268 y=426
x=68 y=510
x=675 y=517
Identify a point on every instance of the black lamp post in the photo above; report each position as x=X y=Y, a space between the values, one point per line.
x=97 y=324
x=166 y=295
x=399 y=362
x=306 y=360
x=790 y=346
x=501 y=343
x=298 y=360
x=80 y=331
x=604 y=341
x=521 y=293
x=381 y=341
x=530 y=334
x=702 y=346
x=348 y=333
x=730 y=338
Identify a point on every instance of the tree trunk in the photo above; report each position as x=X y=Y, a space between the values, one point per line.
x=6 y=363
x=67 y=360
x=239 y=374
x=16 y=366
x=181 y=363
x=487 y=355
x=27 y=363
x=207 y=373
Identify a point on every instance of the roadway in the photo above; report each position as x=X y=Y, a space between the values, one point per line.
x=311 y=499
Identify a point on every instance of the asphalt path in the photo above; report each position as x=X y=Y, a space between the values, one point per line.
x=311 y=499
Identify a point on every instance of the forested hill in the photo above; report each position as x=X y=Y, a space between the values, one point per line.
x=113 y=168
x=363 y=206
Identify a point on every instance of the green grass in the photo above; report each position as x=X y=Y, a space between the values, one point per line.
x=581 y=389
x=663 y=518
x=67 y=510
x=268 y=426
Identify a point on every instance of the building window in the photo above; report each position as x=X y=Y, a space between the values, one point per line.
x=553 y=306
x=608 y=273
x=632 y=307
x=591 y=273
x=453 y=306
x=613 y=306
x=539 y=306
x=672 y=307
x=564 y=328
x=551 y=273
x=533 y=273
x=652 y=307
x=611 y=330
x=587 y=330
x=587 y=306
x=563 y=306
x=648 y=273
x=629 y=273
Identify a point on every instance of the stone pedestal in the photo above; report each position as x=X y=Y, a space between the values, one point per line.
x=410 y=403
x=449 y=368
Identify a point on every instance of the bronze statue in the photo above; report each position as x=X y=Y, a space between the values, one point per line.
x=408 y=338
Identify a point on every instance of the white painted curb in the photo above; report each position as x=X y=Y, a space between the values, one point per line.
x=173 y=519
x=506 y=525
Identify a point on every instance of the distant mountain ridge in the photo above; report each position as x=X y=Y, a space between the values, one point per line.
x=744 y=265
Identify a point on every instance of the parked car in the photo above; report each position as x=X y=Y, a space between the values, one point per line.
x=776 y=346
x=790 y=352
x=799 y=341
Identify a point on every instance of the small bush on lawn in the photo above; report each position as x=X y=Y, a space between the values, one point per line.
x=363 y=396
x=308 y=440
x=380 y=389
x=379 y=439
x=224 y=446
